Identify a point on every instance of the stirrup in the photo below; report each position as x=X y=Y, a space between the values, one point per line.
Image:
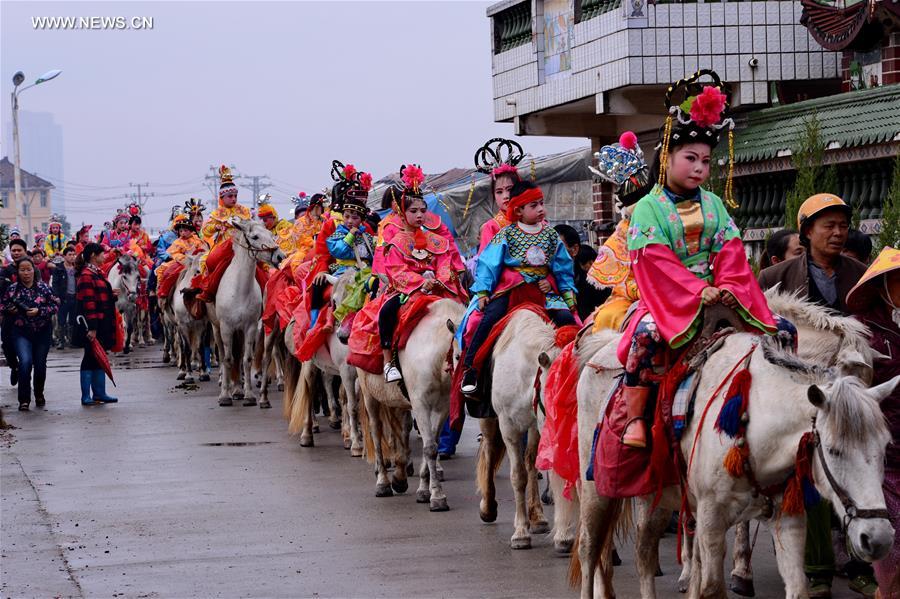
x=391 y=373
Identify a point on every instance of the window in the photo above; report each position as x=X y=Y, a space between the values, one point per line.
x=44 y=199
x=4 y=199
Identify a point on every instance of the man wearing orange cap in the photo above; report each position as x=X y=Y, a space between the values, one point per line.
x=824 y=276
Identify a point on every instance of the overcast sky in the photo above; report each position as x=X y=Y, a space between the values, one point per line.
x=275 y=88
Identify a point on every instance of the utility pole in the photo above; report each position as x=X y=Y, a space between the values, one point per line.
x=139 y=197
x=257 y=186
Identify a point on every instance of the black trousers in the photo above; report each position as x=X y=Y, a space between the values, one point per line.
x=387 y=321
x=494 y=313
x=317 y=297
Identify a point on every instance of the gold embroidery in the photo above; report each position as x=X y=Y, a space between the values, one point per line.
x=691 y=215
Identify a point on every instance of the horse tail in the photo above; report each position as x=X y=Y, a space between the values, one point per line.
x=302 y=403
x=617 y=517
x=395 y=420
x=291 y=373
x=574 y=574
x=492 y=438
x=369 y=445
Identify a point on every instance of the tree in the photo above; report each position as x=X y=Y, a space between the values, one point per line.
x=812 y=176
x=890 y=212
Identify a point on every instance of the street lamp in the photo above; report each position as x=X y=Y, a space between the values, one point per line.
x=17 y=80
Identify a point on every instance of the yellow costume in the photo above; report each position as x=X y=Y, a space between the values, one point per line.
x=612 y=270
x=217 y=228
x=181 y=249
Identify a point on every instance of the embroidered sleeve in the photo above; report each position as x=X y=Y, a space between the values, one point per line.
x=647 y=227
x=490 y=266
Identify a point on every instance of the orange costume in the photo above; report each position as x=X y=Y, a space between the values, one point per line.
x=612 y=270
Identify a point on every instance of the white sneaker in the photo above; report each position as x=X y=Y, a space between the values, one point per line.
x=391 y=374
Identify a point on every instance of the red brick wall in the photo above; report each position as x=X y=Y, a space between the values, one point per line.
x=602 y=198
x=890 y=60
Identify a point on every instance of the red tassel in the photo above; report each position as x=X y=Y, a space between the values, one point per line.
x=734 y=462
x=792 y=503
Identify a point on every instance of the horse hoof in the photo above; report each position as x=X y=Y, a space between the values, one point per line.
x=423 y=496
x=166 y=359
x=490 y=515
x=264 y=404
x=225 y=401
x=334 y=424
x=564 y=547
x=281 y=386
x=439 y=505
x=741 y=586
x=356 y=452
x=683 y=586
x=410 y=471
x=250 y=401
x=204 y=378
x=539 y=528
x=315 y=428
x=523 y=543
x=181 y=375
x=126 y=351
x=383 y=491
x=658 y=572
x=307 y=441
x=400 y=486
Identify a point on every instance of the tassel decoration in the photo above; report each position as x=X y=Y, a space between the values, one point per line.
x=731 y=416
x=801 y=491
x=734 y=462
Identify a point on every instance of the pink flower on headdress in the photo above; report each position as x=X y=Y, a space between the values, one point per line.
x=302 y=194
x=365 y=179
x=505 y=169
x=413 y=176
x=707 y=108
x=349 y=171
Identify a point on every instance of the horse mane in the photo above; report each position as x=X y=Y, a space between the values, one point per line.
x=526 y=325
x=803 y=312
x=853 y=416
x=588 y=345
x=775 y=354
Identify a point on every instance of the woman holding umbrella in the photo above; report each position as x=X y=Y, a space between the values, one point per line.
x=97 y=314
x=30 y=306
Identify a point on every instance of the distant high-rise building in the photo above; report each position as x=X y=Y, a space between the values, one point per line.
x=41 y=147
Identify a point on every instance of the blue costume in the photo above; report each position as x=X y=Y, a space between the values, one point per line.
x=341 y=246
x=166 y=239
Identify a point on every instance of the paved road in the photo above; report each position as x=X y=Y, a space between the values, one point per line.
x=152 y=498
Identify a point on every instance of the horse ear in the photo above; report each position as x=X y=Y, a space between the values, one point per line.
x=816 y=396
x=544 y=360
x=853 y=363
x=451 y=327
x=883 y=390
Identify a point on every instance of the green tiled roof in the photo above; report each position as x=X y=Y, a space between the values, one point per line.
x=850 y=119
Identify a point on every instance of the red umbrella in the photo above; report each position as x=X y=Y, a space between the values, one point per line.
x=99 y=352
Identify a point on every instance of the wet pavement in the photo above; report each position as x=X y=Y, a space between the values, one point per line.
x=165 y=494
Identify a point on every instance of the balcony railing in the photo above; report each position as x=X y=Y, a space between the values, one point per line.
x=595 y=8
x=512 y=27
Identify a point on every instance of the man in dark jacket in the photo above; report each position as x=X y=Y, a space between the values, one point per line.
x=63 y=282
x=17 y=250
x=824 y=276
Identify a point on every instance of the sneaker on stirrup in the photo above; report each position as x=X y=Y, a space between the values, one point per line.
x=469 y=382
x=391 y=373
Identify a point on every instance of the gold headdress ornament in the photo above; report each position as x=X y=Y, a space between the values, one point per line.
x=226 y=180
x=697 y=113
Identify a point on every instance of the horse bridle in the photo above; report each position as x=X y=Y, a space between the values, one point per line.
x=254 y=252
x=851 y=510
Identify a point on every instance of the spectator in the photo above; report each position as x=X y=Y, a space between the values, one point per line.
x=8 y=276
x=824 y=276
x=858 y=246
x=782 y=245
x=30 y=305
x=570 y=238
x=64 y=282
x=96 y=302
x=589 y=297
x=876 y=302
x=41 y=264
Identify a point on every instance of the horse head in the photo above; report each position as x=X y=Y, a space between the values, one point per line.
x=258 y=240
x=849 y=460
x=129 y=278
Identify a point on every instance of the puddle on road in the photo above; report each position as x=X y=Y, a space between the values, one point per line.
x=237 y=443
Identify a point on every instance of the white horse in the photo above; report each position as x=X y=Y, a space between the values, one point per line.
x=125 y=278
x=189 y=330
x=514 y=365
x=426 y=375
x=779 y=414
x=238 y=307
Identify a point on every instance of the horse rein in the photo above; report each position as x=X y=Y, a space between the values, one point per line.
x=852 y=511
x=254 y=252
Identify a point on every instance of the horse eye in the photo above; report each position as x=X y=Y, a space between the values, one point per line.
x=835 y=452
x=255 y=237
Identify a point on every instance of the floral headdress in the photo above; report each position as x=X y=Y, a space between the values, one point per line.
x=193 y=207
x=266 y=208
x=697 y=112
x=623 y=165
x=412 y=177
x=55 y=219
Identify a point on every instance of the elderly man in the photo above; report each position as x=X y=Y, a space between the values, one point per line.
x=823 y=275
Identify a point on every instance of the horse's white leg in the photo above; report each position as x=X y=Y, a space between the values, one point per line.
x=490 y=454
x=228 y=365
x=333 y=403
x=373 y=411
x=249 y=352
x=430 y=413
x=595 y=518
x=687 y=559
x=279 y=363
x=708 y=580
x=790 y=540
x=537 y=523
x=518 y=477
x=565 y=515
x=651 y=525
x=742 y=574
x=348 y=380
x=268 y=342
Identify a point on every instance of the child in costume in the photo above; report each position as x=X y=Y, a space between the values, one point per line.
x=279 y=227
x=166 y=238
x=623 y=165
x=55 y=242
x=685 y=249
x=498 y=158
x=117 y=235
x=187 y=244
x=525 y=261
x=417 y=260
